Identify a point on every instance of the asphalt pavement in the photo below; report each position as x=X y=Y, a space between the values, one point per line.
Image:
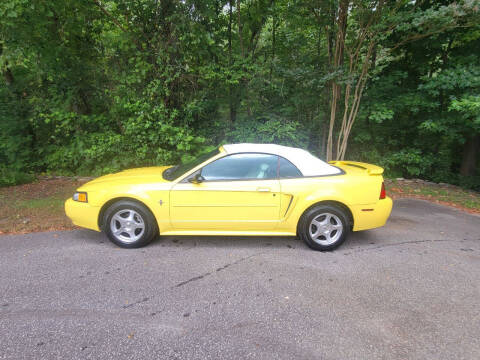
x=409 y=290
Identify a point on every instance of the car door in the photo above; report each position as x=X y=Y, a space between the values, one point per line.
x=291 y=183
x=239 y=192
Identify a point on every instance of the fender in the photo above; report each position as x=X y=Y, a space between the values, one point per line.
x=300 y=203
x=147 y=195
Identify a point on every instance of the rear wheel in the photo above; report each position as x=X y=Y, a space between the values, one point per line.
x=324 y=227
x=129 y=224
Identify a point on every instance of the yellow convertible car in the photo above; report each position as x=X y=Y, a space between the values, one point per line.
x=238 y=189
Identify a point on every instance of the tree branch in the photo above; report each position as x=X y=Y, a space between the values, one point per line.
x=116 y=22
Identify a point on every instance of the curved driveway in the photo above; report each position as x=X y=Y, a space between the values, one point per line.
x=410 y=290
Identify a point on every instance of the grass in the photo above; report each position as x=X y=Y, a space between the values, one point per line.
x=444 y=194
x=36 y=207
x=39 y=206
x=51 y=202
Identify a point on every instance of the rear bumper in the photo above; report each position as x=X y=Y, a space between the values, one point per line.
x=82 y=214
x=371 y=216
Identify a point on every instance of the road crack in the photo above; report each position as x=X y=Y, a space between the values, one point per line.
x=136 y=303
x=403 y=243
x=221 y=268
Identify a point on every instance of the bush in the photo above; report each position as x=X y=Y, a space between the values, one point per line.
x=15 y=141
x=11 y=176
x=269 y=130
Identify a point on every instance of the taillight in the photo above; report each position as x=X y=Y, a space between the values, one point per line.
x=383 y=193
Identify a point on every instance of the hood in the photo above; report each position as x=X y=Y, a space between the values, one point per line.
x=136 y=176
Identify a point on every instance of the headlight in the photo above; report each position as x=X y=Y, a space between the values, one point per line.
x=80 y=196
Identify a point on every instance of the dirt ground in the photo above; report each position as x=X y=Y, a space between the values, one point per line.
x=37 y=206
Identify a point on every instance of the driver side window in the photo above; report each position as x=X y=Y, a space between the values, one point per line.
x=242 y=167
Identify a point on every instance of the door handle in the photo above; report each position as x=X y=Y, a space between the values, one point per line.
x=263 y=189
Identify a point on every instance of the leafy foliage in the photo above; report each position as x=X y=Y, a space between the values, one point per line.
x=91 y=87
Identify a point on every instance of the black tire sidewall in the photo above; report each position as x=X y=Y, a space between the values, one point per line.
x=311 y=214
x=151 y=229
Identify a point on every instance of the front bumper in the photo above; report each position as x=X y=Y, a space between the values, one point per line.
x=371 y=216
x=82 y=214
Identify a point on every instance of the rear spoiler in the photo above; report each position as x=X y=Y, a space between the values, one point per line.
x=371 y=169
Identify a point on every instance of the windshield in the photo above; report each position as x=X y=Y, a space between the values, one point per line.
x=178 y=170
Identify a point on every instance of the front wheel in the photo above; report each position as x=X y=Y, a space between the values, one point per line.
x=129 y=224
x=324 y=227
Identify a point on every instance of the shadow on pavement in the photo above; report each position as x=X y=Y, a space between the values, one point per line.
x=355 y=239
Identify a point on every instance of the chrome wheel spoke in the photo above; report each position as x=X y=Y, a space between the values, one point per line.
x=139 y=226
x=316 y=233
x=131 y=216
x=118 y=231
x=118 y=218
x=328 y=220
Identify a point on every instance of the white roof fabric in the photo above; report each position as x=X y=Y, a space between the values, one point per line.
x=308 y=164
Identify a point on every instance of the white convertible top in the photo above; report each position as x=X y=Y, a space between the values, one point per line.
x=308 y=164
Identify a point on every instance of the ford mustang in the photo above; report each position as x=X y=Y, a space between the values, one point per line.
x=238 y=189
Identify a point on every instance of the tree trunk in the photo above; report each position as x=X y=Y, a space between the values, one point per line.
x=240 y=28
x=274 y=25
x=469 y=158
x=233 y=110
x=337 y=63
x=323 y=149
x=7 y=74
x=351 y=110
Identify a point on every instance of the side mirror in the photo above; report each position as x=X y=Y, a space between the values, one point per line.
x=196 y=179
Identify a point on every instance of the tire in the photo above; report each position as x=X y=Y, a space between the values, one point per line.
x=129 y=224
x=324 y=227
